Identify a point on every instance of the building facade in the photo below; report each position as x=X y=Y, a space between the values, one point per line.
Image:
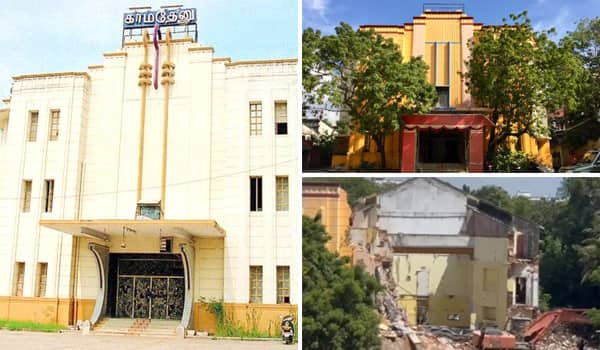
x=329 y=201
x=123 y=199
x=454 y=260
x=453 y=136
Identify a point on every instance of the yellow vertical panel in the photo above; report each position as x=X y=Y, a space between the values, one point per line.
x=442 y=30
x=442 y=64
x=430 y=60
x=456 y=85
x=407 y=48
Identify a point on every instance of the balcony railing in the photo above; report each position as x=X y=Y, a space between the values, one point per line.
x=443 y=7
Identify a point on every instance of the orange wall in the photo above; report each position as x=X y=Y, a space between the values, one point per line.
x=335 y=213
x=44 y=310
x=266 y=317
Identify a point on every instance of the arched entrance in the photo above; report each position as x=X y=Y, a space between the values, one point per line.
x=145 y=286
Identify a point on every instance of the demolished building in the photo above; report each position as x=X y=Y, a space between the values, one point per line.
x=455 y=260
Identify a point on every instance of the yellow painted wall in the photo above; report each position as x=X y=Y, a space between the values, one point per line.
x=335 y=216
x=409 y=304
x=209 y=268
x=44 y=310
x=441 y=28
x=491 y=254
x=458 y=284
x=449 y=286
x=265 y=317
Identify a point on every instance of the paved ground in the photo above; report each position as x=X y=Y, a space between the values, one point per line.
x=72 y=341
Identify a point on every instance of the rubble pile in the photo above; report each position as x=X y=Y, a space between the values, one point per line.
x=441 y=337
x=564 y=337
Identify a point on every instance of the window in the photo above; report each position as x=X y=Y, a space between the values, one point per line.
x=281 y=184
x=26 y=196
x=283 y=284
x=255 y=193
x=281 y=118
x=42 y=276
x=48 y=195
x=520 y=290
x=256 y=276
x=443 y=97
x=149 y=210
x=54 y=119
x=19 y=278
x=33 y=125
x=255 y=118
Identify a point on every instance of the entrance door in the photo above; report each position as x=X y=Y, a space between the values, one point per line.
x=150 y=297
x=146 y=286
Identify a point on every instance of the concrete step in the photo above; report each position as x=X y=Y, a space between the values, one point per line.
x=141 y=327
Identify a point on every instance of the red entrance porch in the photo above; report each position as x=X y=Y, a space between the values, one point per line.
x=470 y=126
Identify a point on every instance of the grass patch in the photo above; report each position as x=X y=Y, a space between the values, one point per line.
x=30 y=326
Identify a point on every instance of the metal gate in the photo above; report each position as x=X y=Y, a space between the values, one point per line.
x=142 y=296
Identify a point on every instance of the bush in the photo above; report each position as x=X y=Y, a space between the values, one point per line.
x=507 y=161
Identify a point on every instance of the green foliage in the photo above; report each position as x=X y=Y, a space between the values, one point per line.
x=570 y=242
x=364 y=75
x=505 y=160
x=325 y=143
x=30 y=326
x=594 y=315
x=495 y=195
x=544 y=300
x=520 y=75
x=585 y=43
x=356 y=187
x=227 y=327
x=337 y=300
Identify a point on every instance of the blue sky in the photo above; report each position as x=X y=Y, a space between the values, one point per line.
x=67 y=35
x=537 y=186
x=560 y=14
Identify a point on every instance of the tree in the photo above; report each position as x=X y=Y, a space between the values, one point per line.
x=355 y=187
x=337 y=300
x=520 y=75
x=585 y=42
x=495 y=195
x=364 y=75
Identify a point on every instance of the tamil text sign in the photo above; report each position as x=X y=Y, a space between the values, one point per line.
x=163 y=17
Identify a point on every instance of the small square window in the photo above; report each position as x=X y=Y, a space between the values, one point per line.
x=19 y=279
x=42 y=277
x=48 y=195
x=282 y=190
x=443 y=97
x=283 y=284
x=54 y=122
x=255 y=193
x=33 y=126
x=26 y=196
x=255 y=118
x=256 y=281
x=281 y=118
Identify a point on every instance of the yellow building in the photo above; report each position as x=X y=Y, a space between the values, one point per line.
x=330 y=201
x=451 y=256
x=452 y=136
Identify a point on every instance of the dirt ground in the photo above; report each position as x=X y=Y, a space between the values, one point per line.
x=72 y=341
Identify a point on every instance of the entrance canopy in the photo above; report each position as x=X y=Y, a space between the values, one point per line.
x=105 y=228
x=446 y=121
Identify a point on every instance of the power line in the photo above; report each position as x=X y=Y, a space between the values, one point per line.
x=273 y=165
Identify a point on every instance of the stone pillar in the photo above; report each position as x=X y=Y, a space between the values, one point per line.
x=409 y=150
x=476 y=140
x=187 y=258
x=101 y=254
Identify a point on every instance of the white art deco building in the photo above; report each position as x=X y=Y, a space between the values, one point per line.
x=119 y=200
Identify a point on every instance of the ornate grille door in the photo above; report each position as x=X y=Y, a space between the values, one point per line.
x=150 y=297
